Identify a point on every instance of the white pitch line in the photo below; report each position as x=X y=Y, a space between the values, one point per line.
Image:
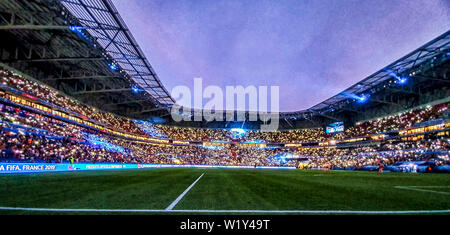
x=415 y=188
x=229 y=211
x=428 y=186
x=174 y=203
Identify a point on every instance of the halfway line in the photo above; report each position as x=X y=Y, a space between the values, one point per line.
x=174 y=203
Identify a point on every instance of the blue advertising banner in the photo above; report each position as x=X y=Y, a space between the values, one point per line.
x=18 y=168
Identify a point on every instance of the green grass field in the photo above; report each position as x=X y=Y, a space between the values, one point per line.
x=265 y=191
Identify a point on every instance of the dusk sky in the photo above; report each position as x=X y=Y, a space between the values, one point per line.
x=312 y=50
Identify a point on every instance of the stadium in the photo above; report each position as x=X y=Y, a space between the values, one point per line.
x=87 y=128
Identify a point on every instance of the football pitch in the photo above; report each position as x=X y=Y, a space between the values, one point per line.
x=225 y=191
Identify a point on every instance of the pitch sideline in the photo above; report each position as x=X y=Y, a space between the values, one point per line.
x=230 y=211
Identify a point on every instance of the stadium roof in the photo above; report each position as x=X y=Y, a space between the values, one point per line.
x=101 y=19
x=84 y=49
x=404 y=65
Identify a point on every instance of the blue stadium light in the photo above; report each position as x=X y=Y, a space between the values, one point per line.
x=359 y=98
x=401 y=80
x=113 y=67
x=363 y=98
x=79 y=31
x=76 y=29
x=135 y=89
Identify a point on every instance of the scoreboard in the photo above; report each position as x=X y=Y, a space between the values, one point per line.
x=336 y=127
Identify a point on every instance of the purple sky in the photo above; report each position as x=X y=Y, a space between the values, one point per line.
x=311 y=49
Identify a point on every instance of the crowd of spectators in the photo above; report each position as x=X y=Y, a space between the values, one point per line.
x=386 y=153
x=393 y=122
x=28 y=136
x=400 y=121
x=35 y=148
x=62 y=141
x=48 y=94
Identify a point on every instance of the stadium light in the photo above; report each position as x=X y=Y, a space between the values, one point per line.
x=76 y=29
x=79 y=31
x=330 y=110
x=363 y=98
x=401 y=80
x=113 y=66
x=358 y=98
x=135 y=89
